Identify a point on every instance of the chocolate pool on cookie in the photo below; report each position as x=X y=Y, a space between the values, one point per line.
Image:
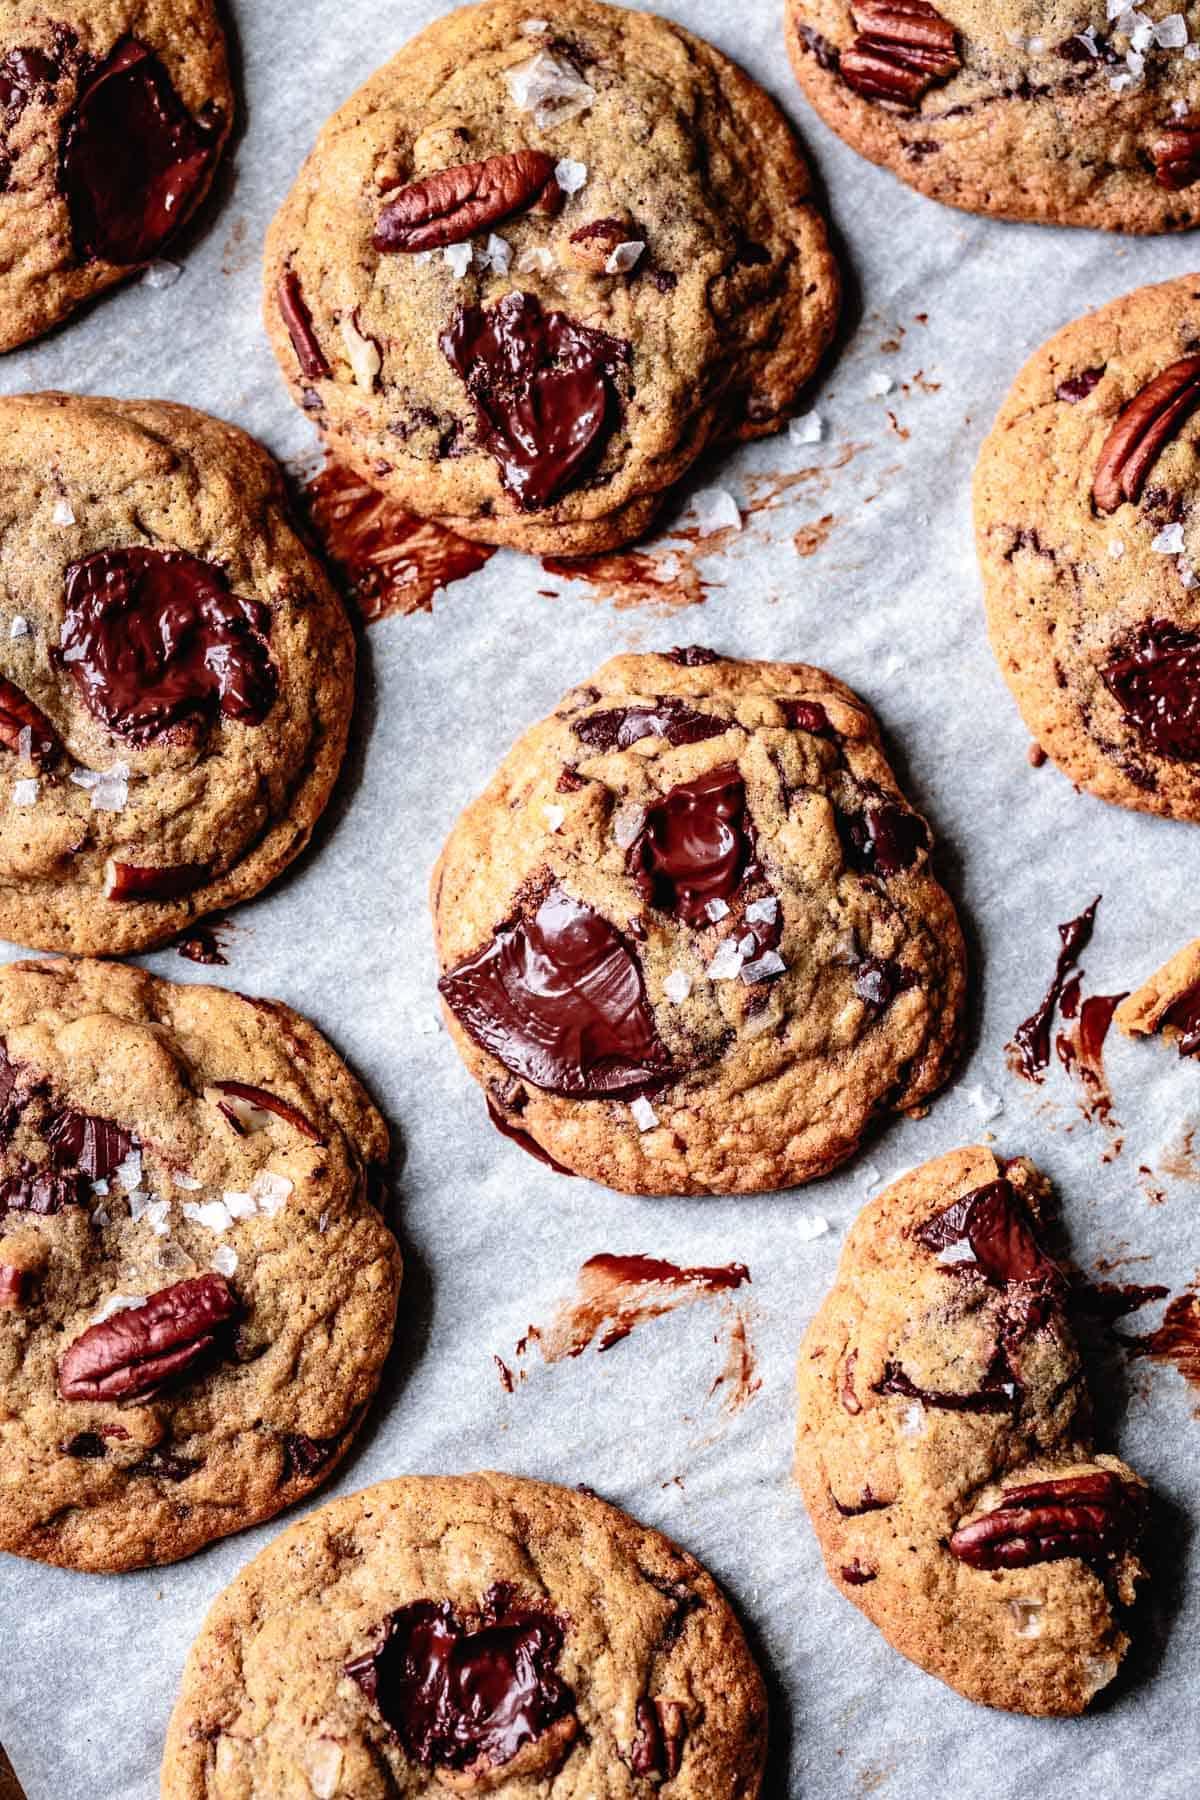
x=176 y=673
x=112 y=119
x=472 y=1634
x=1080 y=115
x=533 y=268
x=944 y=1444
x=689 y=936
x=197 y=1287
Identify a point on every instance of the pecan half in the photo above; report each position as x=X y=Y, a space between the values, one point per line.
x=298 y=320
x=135 y=1351
x=1177 y=153
x=134 y=881
x=1142 y=431
x=903 y=47
x=448 y=207
x=18 y=714
x=658 y=1746
x=1092 y=1517
x=265 y=1102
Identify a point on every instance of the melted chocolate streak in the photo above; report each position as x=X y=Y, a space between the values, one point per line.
x=1029 y=1048
x=618 y=1293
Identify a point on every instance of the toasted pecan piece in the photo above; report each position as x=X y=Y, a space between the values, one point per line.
x=449 y=206
x=1142 y=431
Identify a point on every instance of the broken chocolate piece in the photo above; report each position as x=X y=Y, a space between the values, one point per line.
x=695 y=846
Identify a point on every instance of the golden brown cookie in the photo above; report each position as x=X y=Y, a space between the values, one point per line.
x=690 y=937
x=197 y=1287
x=944 y=1447
x=1084 y=496
x=177 y=672
x=533 y=268
x=113 y=114
x=1073 y=114
x=473 y=1633
x=1167 y=1003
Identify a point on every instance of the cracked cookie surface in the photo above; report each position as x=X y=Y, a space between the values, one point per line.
x=197 y=1287
x=536 y=363
x=1029 y=109
x=944 y=1445
x=588 y=1654
x=113 y=116
x=1084 y=501
x=177 y=672
x=689 y=935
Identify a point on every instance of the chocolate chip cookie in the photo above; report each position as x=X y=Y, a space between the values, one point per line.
x=113 y=114
x=1029 y=109
x=475 y=1633
x=944 y=1449
x=177 y=672
x=197 y=1287
x=1168 y=1003
x=690 y=937
x=1084 y=501
x=534 y=267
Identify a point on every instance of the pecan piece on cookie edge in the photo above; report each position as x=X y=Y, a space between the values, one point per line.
x=1142 y=431
x=903 y=48
x=1091 y=1517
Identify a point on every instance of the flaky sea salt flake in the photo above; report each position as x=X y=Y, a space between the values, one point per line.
x=158 y=1217
x=716 y=909
x=677 y=986
x=25 y=792
x=1171 y=33
x=809 y=1226
x=716 y=510
x=119 y=1303
x=535 y=259
x=109 y=788
x=162 y=274
x=270 y=1192
x=554 y=816
x=237 y=1204
x=571 y=176
x=763 y=912
x=878 y=384
x=764 y=967
x=624 y=257
x=809 y=428
x=20 y=626
x=225 y=1259
x=627 y=822
x=726 y=965
x=549 y=88
x=1169 y=541
x=644 y=1114
x=458 y=256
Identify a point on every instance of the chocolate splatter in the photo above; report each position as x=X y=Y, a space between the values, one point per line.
x=1029 y=1049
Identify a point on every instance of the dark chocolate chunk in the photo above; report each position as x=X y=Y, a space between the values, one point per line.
x=1154 y=676
x=619 y=726
x=695 y=845
x=82 y=1141
x=997 y=1225
x=884 y=838
x=877 y=982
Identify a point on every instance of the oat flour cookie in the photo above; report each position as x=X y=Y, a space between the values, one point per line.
x=197 y=1288
x=531 y=270
x=113 y=114
x=177 y=673
x=1031 y=109
x=690 y=936
x=1084 y=496
x=1167 y=1003
x=944 y=1449
x=472 y=1633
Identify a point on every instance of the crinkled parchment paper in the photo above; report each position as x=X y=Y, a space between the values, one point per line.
x=942 y=308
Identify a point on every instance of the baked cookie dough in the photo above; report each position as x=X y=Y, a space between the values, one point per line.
x=533 y=268
x=1048 y=110
x=176 y=672
x=1168 y=1003
x=1089 y=545
x=690 y=938
x=944 y=1449
x=197 y=1287
x=113 y=114
x=472 y=1633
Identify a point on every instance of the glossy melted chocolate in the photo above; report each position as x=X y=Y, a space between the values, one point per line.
x=454 y=1692
x=620 y=726
x=1029 y=1051
x=1183 y=1016
x=543 y=388
x=695 y=845
x=134 y=161
x=157 y=644
x=1000 y=1231
x=1155 y=679
x=883 y=839
x=559 y=1000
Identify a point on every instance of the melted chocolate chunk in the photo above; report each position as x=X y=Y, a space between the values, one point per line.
x=1155 y=679
x=304 y=1455
x=86 y=1444
x=157 y=644
x=1077 y=387
x=884 y=839
x=44 y=1194
x=22 y=72
x=1183 y=1016
x=877 y=982
x=93 y=1145
x=543 y=388
x=529 y=1144
x=867 y=1502
x=807 y=715
x=996 y=1224
x=999 y=1392
x=1029 y=1051
x=134 y=161
x=455 y=1691
x=560 y=1001
x=695 y=845
x=672 y=719
x=692 y=656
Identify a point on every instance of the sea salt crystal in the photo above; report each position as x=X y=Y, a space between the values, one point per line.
x=554 y=816
x=423 y=256
x=536 y=259
x=1179 y=109
x=1192 y=53
x=534 y=27
x=809 y=1226
x=716 y=909
x=129 y=1171
x=550 y=89
x=238 y=1205
x=770 y=963
x=807 y=429
x=1037 y=45
x=627 y=822
x=1088 y=40
x=214 y=1215
x=570 y=175
x=20 y=627
x=912 y=1421
x=1187 y=575
x=109 y=788
x=99 y=1187
x=270 y=1192
x=677 y=986
x=763 y=912
x=1116 y=548
x=157 y=1216
x=363 y=354
x=459 y=258
x=726 y=965
x=188 y=1182
x=119 y=1303
x=101 y=1217
x=1171 y=33
x=871 y=1177
x=323 y=1759
x=644 y=1114
x=225 y=1259
x=1114 y=8
x=748 y=945
x=716 y=510
x=162 y=274
x=1099 y=1671
x=496 y=254
x=1169 y=541
x=1026 y=1622
x=878 y=384
x=25 y=793
x=958 y=1252
x=624 y=257
x=987 y=1104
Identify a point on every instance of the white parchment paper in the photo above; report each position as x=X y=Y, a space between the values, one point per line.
x=891 y=603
